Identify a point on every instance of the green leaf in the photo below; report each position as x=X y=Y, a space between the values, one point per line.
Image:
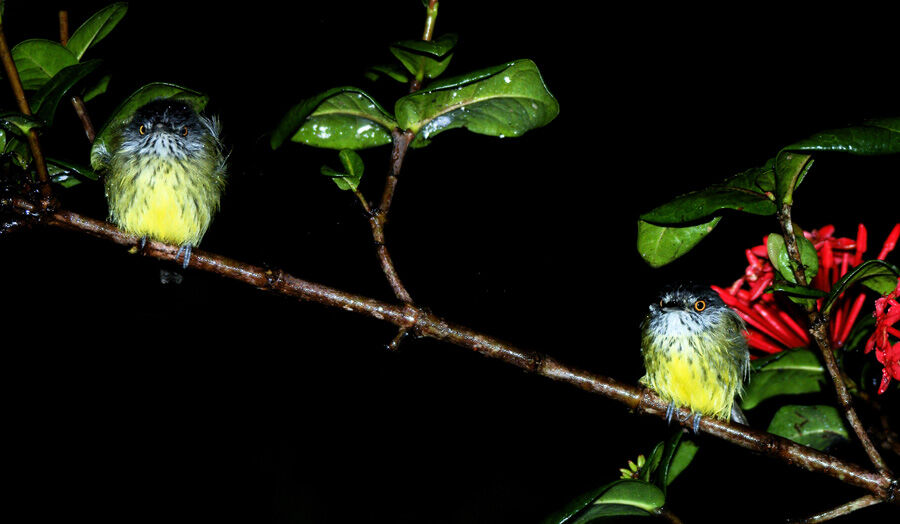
x=790 y=168
x=428 y=59
x=392 y=71
x=778 y=255
x=791 y=372
x=38 y=60
x=96 y=28
x=47 y=98
x=97 y=89
x=618 y=498
x=502 y=101
x=818 y=427
x=682 y=457
x=877 y=275
x=749 y=191
x=795 y=290
x=18 y=150
x=873 y=137
x=68 y=174
x=609 y=513
x=19 y=123
x=126 y=109
x=353 y=170
x=660 y=245
x=340 y=118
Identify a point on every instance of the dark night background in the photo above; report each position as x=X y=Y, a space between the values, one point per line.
x=127 y=400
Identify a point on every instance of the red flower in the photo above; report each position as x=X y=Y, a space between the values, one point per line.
x=772 y=328
x=887 y=313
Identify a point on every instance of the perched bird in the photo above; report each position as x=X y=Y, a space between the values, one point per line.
x=164 y=174
x=695 y=353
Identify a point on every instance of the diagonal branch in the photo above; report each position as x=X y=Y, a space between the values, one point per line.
x=423 y=323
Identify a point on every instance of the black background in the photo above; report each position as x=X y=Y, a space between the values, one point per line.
x=211 y=401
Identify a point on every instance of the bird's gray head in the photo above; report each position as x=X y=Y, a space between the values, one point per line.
x=687 y=308
x=166 y=128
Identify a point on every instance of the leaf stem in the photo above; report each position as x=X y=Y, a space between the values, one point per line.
x=430 y=17
x=40 y=166
x=424 y=324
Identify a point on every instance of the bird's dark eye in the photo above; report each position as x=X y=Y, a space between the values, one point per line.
x=141 y=129
x=699 y=305
x=184 y=131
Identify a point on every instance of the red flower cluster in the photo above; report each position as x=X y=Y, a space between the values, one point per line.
x=772 y=329
x=887 y=313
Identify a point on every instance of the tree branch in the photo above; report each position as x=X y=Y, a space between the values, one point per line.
x=378 y=216
x=844 y=509
x=34 y=144
x=818 y=323
x=77 y=102
x=415 y=319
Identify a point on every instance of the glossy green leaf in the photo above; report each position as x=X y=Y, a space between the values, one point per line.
x=126 y=109
x=19 y=123
x=619 y=498
x=18 y=151
x=778 y=255
x=818 y=427
x=609 y=513
x=791 y=372
x=68 y=174
x=38 y=60
x=349 y=178
x=502 y=101
x=749 y=191
x=877 y=275
x=96 y=28
x=425 y=59
x=340 y=118
x=874 y=137
x=45 y=101
x=660 y=245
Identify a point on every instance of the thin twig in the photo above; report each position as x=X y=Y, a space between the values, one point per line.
x=818 y=322
x=378 y=216
x=818 y=329
x=40 y=166
x=844 y=509
x=77 y=102
x=424 y=324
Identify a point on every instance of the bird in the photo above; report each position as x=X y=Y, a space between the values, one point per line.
x=695 y=353
x=164 y=172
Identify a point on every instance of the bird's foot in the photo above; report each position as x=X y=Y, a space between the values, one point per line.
x=696 y=425
x=186 y=250
x=669 y=412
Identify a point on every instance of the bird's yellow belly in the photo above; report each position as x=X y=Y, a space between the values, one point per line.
x=689 y=380
x=164 y=203
x=691 y=383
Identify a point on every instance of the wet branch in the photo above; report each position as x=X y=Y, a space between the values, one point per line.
x=411 y=318
x=844 y=509
x=43 y=177
x=818 y=322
